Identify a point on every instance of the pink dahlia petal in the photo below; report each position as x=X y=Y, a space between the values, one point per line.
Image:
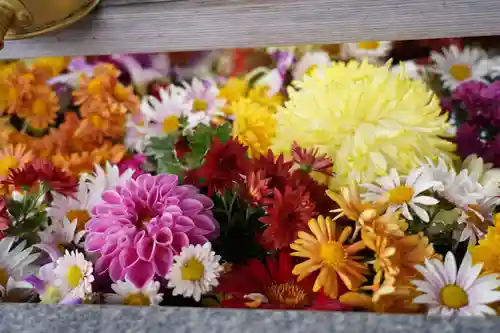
x=179 y=241
x=111 y=197
x=205 y=223
x=163 y=261
x=128 y=258
x=163 y=237
x=191 y=206
x=94 y=243
x=102 y=264
x=141 y=273
x=197 y=239
x=116 y=270
x=184 y=224
x=146 y=248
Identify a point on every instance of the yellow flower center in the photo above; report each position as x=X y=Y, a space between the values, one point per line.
x=4 y=277
x=199 y=105
x=81 y=216
x=95 y=86
x=369 y=45
x=460 y=72
x=75 y=275
x=7 y=163
x=136 y=299
x=97 y=121
x=171 y=124
x=120 y=92
x=400 y=195
x=311 y=69
x=40 y=108
x=192 y=270
x=288 y=293
x=333 y=253
x=453 y=296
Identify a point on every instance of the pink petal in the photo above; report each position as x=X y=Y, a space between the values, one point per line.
x=102 y=264
x=109 y=248
x=111 y=197
x=197 y=239
x=204 y=222
x=163 y=261
x=179 y=241
x=128 y=258
x=115 y=270
x=163 y=237
x=191 y=206
x=146 y=248
x=141 y=273
x=183 y=224
x=94 y=243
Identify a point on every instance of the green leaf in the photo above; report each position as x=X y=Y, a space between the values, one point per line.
x=163 y=150
x=201 y=141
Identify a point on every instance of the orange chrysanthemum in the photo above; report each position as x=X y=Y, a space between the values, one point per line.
x=104 y=94
x=327 y=252
x=12 y=157
x=6 y=131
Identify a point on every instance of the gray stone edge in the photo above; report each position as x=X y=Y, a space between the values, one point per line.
x=34 y=318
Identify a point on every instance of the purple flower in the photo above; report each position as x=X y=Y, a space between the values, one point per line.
x=140 y=226
x=492 y=153
x=482 y=101
x=468 y=141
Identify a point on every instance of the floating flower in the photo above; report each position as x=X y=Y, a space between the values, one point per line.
x=369 y=134
x=309 y=62
x=224 y=165
x=447 y=291
x=254 y=126
x=270 y=285
x=456 y=66
x=127 y=293
x=205 y=102
x=73 y=274
x=325 y=251
x=140 y=226
x=38 y=171
x=165 y=115
x=287 y=213
x=195 y=271
x=372 y=50
x=403 y=194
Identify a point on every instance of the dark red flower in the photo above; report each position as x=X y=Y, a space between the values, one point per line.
x=272 y=285
x=276 y=170
x=182 y=147
x=4 y=217
x=256 y=187
x=287 y=213
x=40 y=170
x=317 y=192
x=308 y=160
x=225 y=164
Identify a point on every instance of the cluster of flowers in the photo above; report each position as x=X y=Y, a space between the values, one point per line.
x=322 y=177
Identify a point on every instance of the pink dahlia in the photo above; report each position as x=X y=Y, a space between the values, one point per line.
x=140 y=226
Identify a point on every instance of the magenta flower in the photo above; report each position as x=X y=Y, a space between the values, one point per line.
x=139 y=227
x=135 y=163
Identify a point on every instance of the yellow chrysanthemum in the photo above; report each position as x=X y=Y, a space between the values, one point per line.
x=325 y=251
x=53 y=64
x=366 y=118
x=254 y=126
x=487 y=251
x=234 y=90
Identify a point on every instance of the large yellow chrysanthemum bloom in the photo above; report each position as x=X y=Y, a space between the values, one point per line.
x=366 y=118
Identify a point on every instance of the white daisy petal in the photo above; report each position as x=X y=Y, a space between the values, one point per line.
x=425 y=200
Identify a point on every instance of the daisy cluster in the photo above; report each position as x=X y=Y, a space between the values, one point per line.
x=348 y=177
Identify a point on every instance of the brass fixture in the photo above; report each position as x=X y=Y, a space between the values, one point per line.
x=28 y=18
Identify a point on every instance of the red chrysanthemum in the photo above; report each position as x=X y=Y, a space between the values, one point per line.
x=276 y=170
x=225 y=164
x=317 y=192
x=287 y=213
x=309 y=160
x=4 y=217
x=272 y=286
x=32 y=174
x=182 y=147
x=256 y=187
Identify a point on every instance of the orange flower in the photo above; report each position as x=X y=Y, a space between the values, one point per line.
x=12 y=157
x=326 y=252
x=350 y=202
x=104 y=94
x=6 y=131
x=40 y=110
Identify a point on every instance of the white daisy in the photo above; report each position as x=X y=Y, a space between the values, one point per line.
x=456 y=66
x=60 y=235
x=73 y=274
x=137 y=135
x=411 y=68
x=195 y=271
x=205 y=102
x=164 y=116
x=14 y=263
x=484 y=174
x=404 y=193
x=309 y=62
x=128 y=294
x=475 y=220
x=103 y=180
x=448 y=292
x=372 y=50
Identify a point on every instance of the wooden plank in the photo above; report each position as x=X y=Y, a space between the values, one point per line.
x=163 y=25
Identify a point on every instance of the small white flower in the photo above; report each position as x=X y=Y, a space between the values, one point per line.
x=137 y=134
x=405 y=193
x=73 y=274
x=205 y=102
x=72 y=208
x=195 y=271
x=105 y=179
x=475 y=220
x=58 y=235
x=128 y=294
x=15 y=263
x=410 y=67
x=309 y=62
x=448 y=292
x=457 y=66
x=372 y=51
x=484 y=174
x=163 y=117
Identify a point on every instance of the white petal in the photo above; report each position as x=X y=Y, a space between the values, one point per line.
x=450 y=268
x=425 y=299
x=467 y=273
x=406 y=212
x=421 y=213
x=425 y=200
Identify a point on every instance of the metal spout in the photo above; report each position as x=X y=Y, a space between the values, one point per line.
x=7 y=17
